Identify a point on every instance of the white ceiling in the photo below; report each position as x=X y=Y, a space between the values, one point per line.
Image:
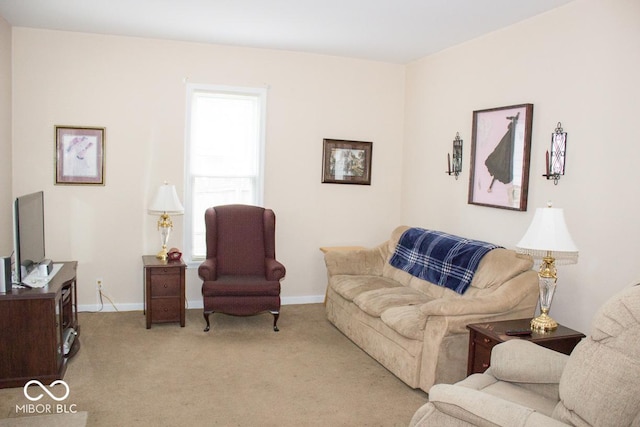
x=396 y=31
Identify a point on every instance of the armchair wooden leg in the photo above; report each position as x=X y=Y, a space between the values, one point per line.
x=276 y=314
x=206 y=317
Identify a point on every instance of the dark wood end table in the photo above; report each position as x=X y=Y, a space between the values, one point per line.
x=164 y=290
x=484 y=336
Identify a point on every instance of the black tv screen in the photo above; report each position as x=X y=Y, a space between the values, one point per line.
x=28 y=233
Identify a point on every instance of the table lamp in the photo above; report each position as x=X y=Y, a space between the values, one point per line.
x=164 y=203
x=548 y=240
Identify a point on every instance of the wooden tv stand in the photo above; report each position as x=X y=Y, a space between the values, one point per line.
x=32 y=326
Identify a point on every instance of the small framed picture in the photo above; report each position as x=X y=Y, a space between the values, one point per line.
x=346 y=162
x=79 y=155
x=500 y=154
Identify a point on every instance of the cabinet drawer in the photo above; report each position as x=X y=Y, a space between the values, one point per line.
x=165 y=285
x=481 y=359
x=165 y=310
x=484 y=341
x=161 y=271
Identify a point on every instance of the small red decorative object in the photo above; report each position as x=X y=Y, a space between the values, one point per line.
x=174 y=254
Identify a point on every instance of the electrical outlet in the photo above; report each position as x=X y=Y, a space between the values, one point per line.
x=99 y=292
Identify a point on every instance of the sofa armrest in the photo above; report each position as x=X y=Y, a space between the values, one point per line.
x=368 y=262
x=476 y=408
x=274 y=270
x=521 y=361
x=509 y=295
x=207 y=270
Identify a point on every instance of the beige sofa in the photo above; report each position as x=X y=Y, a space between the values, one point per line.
x=532 y=386
x=414 y=328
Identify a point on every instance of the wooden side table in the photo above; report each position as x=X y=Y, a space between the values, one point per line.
x=484 y=336
x=164 y=290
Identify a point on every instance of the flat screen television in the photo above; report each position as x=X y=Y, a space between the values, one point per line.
x=28 y=234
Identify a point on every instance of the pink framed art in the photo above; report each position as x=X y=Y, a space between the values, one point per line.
x=500 y=153
x=79 y=155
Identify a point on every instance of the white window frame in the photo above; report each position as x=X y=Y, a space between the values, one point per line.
x=192 y=89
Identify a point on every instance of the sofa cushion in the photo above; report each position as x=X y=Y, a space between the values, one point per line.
x=375 y=302
x=498 y=266
x=406 y=320
x=349 y=286
x=240 y=286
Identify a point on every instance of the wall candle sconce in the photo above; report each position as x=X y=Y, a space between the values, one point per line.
x=555 y=160
x=456 y=167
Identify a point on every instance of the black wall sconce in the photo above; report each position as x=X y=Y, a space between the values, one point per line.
x=456 y=167
x=555 y=160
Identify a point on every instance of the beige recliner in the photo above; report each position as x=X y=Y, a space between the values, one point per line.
x=529 y=385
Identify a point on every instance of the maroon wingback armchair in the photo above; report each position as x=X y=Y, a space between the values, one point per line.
x=241 y=275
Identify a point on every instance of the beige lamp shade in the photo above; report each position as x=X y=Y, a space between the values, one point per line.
x=166 y=201
x=548 y=233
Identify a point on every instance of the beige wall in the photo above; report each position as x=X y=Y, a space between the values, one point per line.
x=6 y=245
x=578 y=65
x=136 y=89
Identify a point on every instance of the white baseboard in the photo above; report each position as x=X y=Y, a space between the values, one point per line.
x=110 y=308
x=308 y=299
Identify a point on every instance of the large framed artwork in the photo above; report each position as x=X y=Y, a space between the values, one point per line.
x=79 y=155
x=346 y=162
x=500 y=153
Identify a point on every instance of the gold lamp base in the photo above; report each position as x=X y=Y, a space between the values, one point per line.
x=547 y=277
x=164 y=225
x=163 y=254
x=543 y=323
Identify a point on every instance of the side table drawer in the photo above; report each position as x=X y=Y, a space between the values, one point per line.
x=159 y=271
x=165 y=285
x=482 y=355
x=485 y=341
x=165 y=310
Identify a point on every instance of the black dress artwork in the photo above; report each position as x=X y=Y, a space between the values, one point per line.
x=500 y=161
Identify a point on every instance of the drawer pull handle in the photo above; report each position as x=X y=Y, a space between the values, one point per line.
x=486 y=340
x=485 y=365
x=166 y=309
x=166 y=286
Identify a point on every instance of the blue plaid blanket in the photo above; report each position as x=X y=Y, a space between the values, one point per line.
x=440 y=258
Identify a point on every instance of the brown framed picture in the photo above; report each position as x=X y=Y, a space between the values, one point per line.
x=346 y=162
x=79 y=155
x=500 y=153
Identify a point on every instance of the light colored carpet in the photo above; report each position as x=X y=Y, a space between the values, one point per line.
x=78 y=419
x=241 y=373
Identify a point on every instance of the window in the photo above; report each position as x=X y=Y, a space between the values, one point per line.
x=224 y=158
